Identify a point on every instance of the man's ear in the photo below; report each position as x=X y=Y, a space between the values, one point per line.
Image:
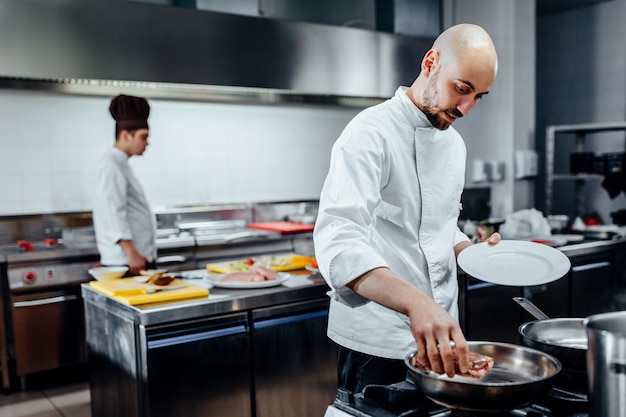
x=124 y=135
x=430 y=61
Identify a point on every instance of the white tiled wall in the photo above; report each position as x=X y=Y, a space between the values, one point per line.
x=199 y=153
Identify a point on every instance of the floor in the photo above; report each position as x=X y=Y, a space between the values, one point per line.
x=57 y=394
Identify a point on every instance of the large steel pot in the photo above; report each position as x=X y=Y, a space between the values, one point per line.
x=606 y=364
x=520 y=375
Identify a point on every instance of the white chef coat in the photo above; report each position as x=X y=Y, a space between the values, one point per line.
x=391 y=199
x=121 y=211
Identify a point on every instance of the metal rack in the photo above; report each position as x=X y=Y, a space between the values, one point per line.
x=580 y=131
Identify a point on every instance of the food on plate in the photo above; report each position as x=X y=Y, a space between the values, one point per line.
x=266 y=261
x=160 y=278
x=480 y=365
x=301 y=259
x=256 y=273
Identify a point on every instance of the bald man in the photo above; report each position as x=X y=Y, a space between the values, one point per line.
x=386 y=237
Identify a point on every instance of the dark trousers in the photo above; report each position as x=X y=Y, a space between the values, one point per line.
x=356 y=370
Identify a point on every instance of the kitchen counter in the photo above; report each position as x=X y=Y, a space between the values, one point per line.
x=301 y=287
x=259 y=352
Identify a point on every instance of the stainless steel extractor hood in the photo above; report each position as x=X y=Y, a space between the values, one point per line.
x=101 y=47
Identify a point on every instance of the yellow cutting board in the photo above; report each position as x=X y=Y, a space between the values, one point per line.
x=279 y=263
x=130 y=291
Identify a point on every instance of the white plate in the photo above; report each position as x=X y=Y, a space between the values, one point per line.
x=514 y=262
x=103 y=273
x=215 y=280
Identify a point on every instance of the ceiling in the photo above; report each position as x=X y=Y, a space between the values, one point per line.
x=555 y=6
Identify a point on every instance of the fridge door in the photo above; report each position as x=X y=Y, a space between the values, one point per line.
x=199 y=368
x=295 y=371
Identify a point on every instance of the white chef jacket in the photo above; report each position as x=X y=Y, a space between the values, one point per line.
x=121 y=210
x=391 y=199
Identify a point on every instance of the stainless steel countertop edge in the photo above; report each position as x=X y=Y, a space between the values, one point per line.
x=225 y=302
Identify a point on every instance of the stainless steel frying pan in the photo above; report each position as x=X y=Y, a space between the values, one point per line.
x=520 y=375
x=564 y=338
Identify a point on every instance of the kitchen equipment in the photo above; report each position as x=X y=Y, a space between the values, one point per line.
x=283 y=227
x=514 y=262
x=44 y=311
x=520 y=374
x=404 y=399
x=606 y=363
x=236 y=353
x=580 y=162
x=557 y=222
x=564 y=338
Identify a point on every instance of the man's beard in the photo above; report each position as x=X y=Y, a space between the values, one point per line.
x=430 y=109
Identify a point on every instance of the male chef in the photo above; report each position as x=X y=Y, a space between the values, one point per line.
x=386 y=237
x=124 y=223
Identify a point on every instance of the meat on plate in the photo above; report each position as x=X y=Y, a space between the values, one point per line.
x=256 y=273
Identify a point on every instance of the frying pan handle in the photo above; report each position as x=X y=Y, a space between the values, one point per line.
x=531 y=308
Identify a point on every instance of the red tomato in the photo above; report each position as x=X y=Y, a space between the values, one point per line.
x=250 y=261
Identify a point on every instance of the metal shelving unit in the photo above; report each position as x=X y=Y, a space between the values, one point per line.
x=580 y=131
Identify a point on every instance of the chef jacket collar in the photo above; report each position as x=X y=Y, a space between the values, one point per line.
x=414 y=115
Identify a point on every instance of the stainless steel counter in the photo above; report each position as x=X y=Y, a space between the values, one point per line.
x=219 y=302
x=257 y=352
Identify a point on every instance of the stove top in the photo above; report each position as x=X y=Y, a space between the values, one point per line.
x=403 y=399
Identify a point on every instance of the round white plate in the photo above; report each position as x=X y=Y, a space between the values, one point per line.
x=215 y=280
x=514 y=262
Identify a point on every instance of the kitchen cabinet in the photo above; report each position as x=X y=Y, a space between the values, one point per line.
x=580 y=132
x=595 y=279
x=215 y=356
x=488 y=311
x=290 y=344
x=242 y=353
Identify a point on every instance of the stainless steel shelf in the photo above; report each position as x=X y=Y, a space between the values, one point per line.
x=577 y=177
x=580 y=132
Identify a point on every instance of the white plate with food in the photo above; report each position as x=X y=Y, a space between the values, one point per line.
x=238 y=280
x=514 y=263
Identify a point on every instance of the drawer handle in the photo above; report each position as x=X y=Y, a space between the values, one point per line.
x=590 y=266
x=45 y=301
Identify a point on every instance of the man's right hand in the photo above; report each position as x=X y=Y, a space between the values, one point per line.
x=434 y=331
x=136 y=261
x=431 y=326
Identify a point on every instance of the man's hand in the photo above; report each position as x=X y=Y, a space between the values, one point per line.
x=434 y=330
x=431 y=326
x=136 y=261
x=494 y=238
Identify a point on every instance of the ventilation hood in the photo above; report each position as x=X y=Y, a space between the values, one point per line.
x=100 y=47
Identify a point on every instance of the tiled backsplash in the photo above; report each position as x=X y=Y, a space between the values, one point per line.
x=199 y=153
